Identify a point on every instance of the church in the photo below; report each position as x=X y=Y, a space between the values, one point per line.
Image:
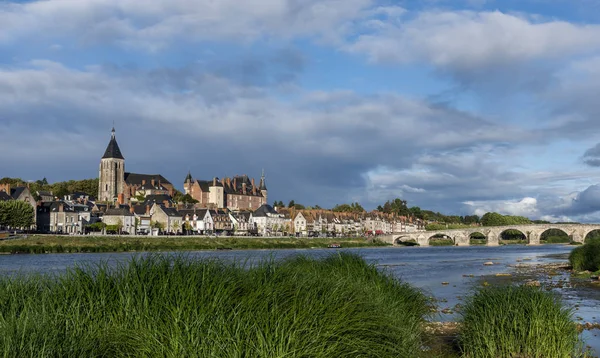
x=118 y=186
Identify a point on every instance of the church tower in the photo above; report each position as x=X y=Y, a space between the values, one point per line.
x=112 y=172
x=263 y=187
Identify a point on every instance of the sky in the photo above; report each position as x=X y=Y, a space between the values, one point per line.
x=457 y=106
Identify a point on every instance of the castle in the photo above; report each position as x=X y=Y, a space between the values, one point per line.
x=120 y=187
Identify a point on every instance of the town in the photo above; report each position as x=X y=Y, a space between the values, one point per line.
x=145 y=204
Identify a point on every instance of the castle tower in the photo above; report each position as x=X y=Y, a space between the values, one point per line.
x=187 y=184
x=263 y=187
x=112 y=172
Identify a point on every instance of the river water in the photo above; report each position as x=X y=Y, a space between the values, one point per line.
x=446 y=273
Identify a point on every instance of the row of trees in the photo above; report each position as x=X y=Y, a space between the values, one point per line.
x=495 y=219
x=16 y=214
x=59 y=189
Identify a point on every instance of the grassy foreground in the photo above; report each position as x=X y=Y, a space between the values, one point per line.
x=586 y=257
x=517 y=321
x=161 y=306
x=38 y=244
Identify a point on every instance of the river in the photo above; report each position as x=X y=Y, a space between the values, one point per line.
x=445 y=273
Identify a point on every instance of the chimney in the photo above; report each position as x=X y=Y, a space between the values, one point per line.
x=252 y=181
x=61 y=207
x=121 y=199
x=223 y=181
x=147 y=209
x=143 y=181
x=234 y=183
x=152 y=181
x=214 y=181
x=131 y=209
x=166 y=203
x=244 y=188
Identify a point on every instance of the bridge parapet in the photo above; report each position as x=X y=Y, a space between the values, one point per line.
x=461 y=237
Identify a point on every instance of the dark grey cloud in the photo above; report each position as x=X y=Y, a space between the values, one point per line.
x=591 y=156
x=315 y=149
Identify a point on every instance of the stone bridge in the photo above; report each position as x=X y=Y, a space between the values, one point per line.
x=461 y=237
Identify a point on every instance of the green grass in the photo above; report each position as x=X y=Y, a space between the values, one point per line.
x=556 y=240
x=38 y=244
x=164 y=306
x=441 y=242
x=511 y=321
x=478 y=241
x=586 y=257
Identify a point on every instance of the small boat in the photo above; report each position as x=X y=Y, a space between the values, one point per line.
x=334 y=246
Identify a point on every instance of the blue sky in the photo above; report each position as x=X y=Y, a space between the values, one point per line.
x=456 y=106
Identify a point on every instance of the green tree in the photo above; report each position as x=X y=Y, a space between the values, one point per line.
x=176 y=226
x=16 y=214
x=291 y=204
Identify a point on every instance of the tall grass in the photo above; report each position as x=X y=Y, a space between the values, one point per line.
x=160 y=306
x=513 y=321
x=586 y=257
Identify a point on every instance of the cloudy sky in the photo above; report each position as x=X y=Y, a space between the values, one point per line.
x=461 y=106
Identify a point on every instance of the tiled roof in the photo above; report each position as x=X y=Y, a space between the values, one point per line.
x=171 y=211
x=4 y=196
x=113 y=151
x=118 y=212
x=136 y=179
x=16 y=192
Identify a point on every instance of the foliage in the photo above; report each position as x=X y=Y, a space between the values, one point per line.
x=278 y=204
x=16 y=214
x=586 y=257
x=433 y=227
x=162 y=306
x=495 y=219
x=180 y=198
x=511 y=234
x=520 y=321
x=98 y=226
x=349 y=208
x=59 y=189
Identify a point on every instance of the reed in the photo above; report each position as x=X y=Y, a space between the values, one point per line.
x=174 y=306
x=517 y=321
x=586 y=257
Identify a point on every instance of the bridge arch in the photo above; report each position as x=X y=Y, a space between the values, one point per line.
x=555 y=235
x=513 y=235
x=478 y=238
x=590 y=235
x=440 y=239
x=406 y=240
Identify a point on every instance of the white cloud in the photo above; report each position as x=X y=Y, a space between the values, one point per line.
x=152 y=25
x=474 y=40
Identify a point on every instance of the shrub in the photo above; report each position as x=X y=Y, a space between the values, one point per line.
x=586 y=257
x=163 y=306
x=512 y=321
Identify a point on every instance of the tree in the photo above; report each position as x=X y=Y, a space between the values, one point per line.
x=119 y=226
x=291 y=204
x=176 y=226
x=16 y=214
x=349 y=208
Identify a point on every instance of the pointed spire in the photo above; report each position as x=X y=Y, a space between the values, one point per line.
x=113 y=151
x=188 y=178
x=262 y=185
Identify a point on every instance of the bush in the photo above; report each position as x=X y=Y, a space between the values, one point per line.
x=162 y=306
x=586 y=257
x=515 y=321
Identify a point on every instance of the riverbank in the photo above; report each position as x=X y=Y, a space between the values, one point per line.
x=40 y=244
